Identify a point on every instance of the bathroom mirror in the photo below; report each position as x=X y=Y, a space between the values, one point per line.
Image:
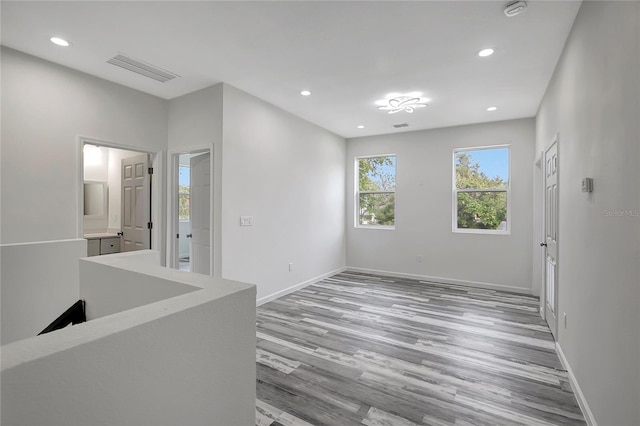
x=95 y=199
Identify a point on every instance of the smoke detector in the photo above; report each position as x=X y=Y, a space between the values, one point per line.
x=515 y=8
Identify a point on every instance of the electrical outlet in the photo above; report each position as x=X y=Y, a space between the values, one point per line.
x=419 y=258
x=246 y=220
x=290 y=267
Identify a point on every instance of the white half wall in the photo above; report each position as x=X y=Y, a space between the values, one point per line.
x=593 y=103
x=186 y=360
x=39 y=282
x=424 y=204
x=110 y=289
x=288 y=175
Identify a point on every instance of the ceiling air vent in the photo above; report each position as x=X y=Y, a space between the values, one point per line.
x=142 y=68
x=397 y=126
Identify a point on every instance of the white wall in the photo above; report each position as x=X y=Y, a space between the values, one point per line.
x=593 y=102
x=45 y=107
x=288 y=174
x=107 y=288
x=195 y=122
x=424 y=203
x=96 y=168
x=187 y=360
x=39 y=283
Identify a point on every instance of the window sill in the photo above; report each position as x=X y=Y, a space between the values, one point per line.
x=480 y=231
x=381 y=227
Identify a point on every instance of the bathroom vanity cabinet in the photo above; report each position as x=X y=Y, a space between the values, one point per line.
x=99 y=244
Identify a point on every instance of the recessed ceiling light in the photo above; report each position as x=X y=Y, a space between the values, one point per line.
x=485 y=52
x=492 y=108
x=305 y=93
x=60 y=41
x=361 y=127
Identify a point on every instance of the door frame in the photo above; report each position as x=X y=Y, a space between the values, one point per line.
x=542 y=238
x=157 y=158
x=172 y=250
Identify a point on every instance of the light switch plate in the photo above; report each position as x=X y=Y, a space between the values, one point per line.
x=246 y=220
x=587 y=184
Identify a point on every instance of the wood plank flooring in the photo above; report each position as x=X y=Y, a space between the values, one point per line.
x=362 y=349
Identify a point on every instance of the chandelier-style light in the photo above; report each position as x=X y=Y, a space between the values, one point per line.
x=403 y=103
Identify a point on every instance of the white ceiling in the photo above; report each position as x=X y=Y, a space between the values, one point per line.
x=347 y=53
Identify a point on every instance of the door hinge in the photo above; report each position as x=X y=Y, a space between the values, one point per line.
x=149 y=225
x=150 y=170
x=177 y=235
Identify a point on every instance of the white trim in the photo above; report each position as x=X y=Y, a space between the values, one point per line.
x=173 y=221
x=30 y=243
x=543 y=288
x=476 y=284
x=357 y=192
x=582 y=401
x=157 y=161
x=455 y=192
x=298 y=286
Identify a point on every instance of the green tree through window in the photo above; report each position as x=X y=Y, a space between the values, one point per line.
x=481 y=201
x=376 y=190
x=184 y=197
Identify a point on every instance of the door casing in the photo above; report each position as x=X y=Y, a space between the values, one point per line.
x=158 y=232
x=172 y=250
x=550 y=243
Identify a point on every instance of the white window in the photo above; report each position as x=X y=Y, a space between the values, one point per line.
x=482 y=190
x=375 y=191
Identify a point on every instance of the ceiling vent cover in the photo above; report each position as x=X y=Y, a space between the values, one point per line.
x=142 y=68
x=397 y=126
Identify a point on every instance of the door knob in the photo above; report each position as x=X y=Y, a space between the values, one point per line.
x=189 y=235
x=543 y=244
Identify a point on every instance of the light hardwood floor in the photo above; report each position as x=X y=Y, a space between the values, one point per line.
x=362 y=349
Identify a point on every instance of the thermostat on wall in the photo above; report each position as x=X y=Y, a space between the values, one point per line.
x=587 y=184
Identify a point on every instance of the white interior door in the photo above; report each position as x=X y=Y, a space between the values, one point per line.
x=200 y=194
x=550 y=243
x=136 y=203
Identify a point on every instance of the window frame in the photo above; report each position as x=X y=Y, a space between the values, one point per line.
x=357 y=193
x=455 y=192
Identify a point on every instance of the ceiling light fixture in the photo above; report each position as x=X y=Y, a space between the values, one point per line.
x=397 y=103
x=492 y=108
x=485 y=52
x=515 y=8
x=360 y=126
x=59 y=41
x=305 y=93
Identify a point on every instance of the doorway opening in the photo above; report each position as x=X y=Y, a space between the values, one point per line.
x=191 y=211
x=115 y=198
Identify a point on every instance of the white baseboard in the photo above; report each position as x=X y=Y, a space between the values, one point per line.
x=295 y=287
x=476 y=284
x=582 y=401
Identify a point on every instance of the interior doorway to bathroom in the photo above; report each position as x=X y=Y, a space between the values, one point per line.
x=191 y=211
x=116 y=199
